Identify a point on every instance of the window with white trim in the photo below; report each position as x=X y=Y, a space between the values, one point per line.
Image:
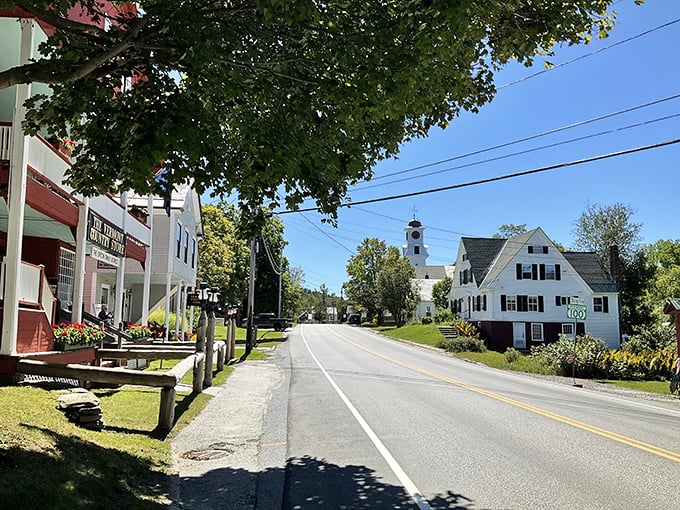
x=67 y=271
x=537 y=332
x=178 y=240
x=568 y=329
x=601 y=304
x=526 y=271
x=533 y=303
x=511 y=303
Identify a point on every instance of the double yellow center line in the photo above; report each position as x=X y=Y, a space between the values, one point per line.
x=654 y=450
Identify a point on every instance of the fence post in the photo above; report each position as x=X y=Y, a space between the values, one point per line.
x=198 y=374
x=221 y=348
x=166 y=413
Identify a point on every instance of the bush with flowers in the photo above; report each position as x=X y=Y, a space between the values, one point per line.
x=137 y=331
x=78 y=333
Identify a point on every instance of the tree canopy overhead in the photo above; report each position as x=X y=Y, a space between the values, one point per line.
x=275 y=100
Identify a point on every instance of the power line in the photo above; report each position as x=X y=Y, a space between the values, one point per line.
x=604 y=48
x=325 y=233
x=500 y=177
x=526 y=151
x=527 y=138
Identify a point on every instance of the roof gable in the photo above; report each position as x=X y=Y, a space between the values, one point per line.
x=590 y=268
x=481 y=252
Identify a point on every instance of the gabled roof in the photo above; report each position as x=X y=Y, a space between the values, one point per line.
x=590 y=268
x=430 y=272
x=481 y=252
x=490 y=256
x=672 y=306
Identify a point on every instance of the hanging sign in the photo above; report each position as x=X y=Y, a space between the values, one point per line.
x=105 y=235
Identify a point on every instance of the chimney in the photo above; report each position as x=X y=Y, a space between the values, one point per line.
x=614 y=261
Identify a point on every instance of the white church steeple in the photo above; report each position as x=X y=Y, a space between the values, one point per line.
x=415 y=249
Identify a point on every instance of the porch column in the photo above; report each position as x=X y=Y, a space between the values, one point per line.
x=168 y=284
x=178 y=306
x=169 y=269
x=185 y=286
x=120 y=273
x=81 y=251
x=146 y=292
x=15 y=202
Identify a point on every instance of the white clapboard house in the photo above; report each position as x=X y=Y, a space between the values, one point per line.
x=518 y=290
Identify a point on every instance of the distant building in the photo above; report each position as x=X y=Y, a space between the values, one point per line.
x=426 y=276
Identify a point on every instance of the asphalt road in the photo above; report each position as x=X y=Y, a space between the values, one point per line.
x=374 y=423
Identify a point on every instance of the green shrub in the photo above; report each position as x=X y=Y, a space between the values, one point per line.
x=426 y=320
x=650 y=338
x=512 y=355
x=462 y=344
x=443 y=316
x=588 y=356
x=467 y=329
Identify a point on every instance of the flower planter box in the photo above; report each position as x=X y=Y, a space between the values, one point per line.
x=62 y=346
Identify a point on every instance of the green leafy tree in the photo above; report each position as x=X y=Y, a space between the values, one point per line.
x=597 y=230
x=663 y=258
x=275 y=100
x=223 y=257
x=269 y=263
x=440 y=293
x=363 y=268
x=395 y=288
x=508 y=230
x=601 y=227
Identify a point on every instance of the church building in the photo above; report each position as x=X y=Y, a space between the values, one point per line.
x=415 y=250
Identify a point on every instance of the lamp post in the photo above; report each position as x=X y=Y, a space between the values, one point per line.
x=210 y=342
x=203 y=318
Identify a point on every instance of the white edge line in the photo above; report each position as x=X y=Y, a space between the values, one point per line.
x=410 y=487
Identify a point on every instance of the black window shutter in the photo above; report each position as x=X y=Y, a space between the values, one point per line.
x=534 y=271
x=461 y=277
x=503 y=306
x=545 y=249
x=522 y=304
x=558 y=274
x=540 y=303
x=541 y=271
x=605 y=304
x=558 y=301
x=484 y=302
x=530 y=249
x=519 y=271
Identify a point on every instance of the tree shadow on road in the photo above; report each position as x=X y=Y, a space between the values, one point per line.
x=306 y=483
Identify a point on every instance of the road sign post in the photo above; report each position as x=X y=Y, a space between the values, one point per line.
x=576 y=310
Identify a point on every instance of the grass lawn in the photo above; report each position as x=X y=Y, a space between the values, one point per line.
x=48 y=462
x=429 y=335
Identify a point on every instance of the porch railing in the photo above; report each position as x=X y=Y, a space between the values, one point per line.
x=34 y=289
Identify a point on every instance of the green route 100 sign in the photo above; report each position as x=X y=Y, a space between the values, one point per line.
x=576 y=309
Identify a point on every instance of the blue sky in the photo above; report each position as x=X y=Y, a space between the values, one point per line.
x=615 y=78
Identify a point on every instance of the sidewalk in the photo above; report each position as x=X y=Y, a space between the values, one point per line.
x=217 y=456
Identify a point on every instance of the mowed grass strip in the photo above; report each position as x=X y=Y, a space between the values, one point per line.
x=47 y=462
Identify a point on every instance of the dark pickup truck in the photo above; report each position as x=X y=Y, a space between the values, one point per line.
x=269 y=320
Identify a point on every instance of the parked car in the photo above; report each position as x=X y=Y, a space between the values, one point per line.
x=270 y=320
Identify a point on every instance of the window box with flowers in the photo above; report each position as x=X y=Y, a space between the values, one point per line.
x=139 y=332
x=76 y=336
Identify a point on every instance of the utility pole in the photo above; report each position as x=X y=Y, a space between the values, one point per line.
x=278 y=314
x=250 y=333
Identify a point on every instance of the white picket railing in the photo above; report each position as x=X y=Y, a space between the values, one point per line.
x=5 y=140
x=34 y=289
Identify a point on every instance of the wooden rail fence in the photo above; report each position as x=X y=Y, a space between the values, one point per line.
x=167 y=381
